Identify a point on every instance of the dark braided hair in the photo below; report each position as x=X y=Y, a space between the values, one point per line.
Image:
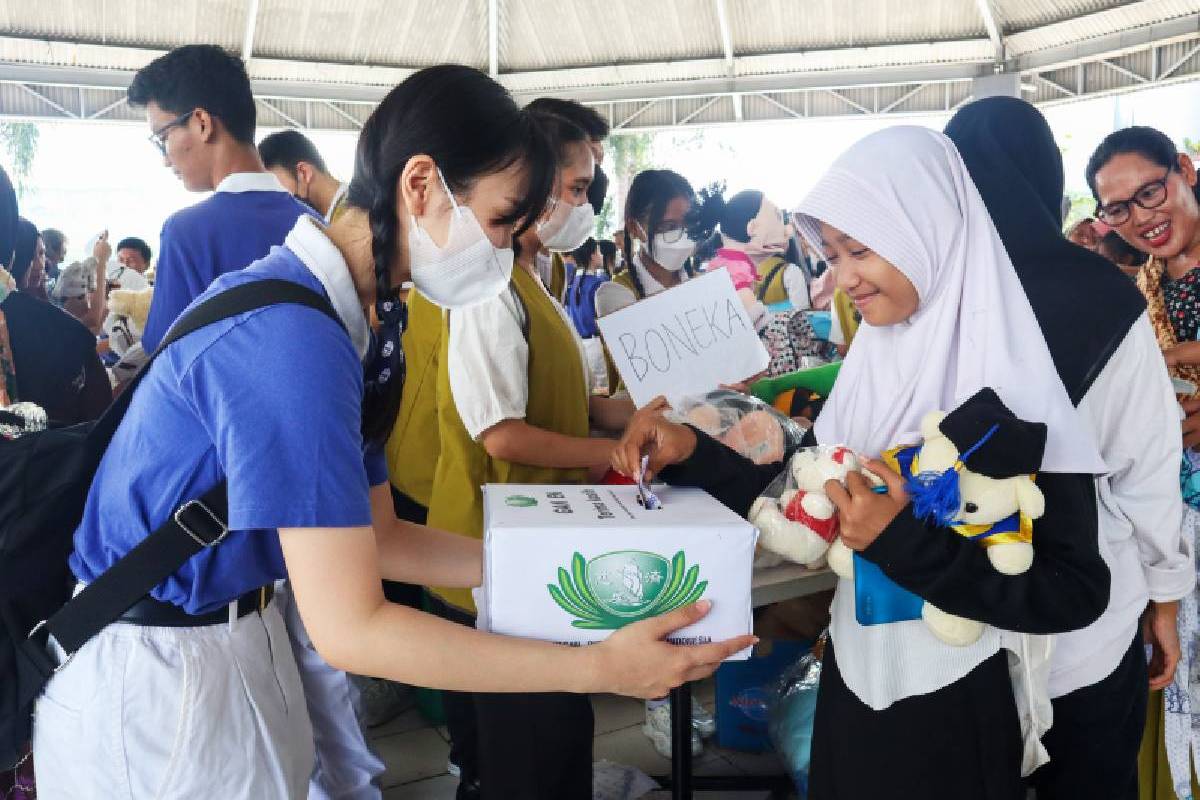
x=650 y=193
x=470 y=126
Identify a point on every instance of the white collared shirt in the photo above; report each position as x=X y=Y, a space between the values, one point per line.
x=250 y=182
x=322 y=258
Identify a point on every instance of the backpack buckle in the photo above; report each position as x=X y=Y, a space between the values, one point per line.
x=200 y=523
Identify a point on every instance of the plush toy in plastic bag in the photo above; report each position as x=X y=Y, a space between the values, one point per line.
x=742 y=423
x=793 y=707
x=794 y=516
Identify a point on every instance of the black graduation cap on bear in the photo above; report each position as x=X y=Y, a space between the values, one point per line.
x=991 y=440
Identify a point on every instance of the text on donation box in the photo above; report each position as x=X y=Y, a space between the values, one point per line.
x=684 y=341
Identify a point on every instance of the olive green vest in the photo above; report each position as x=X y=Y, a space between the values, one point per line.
x=412 y=449
x=558 y=402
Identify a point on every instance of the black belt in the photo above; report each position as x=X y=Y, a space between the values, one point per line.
x=152 y=613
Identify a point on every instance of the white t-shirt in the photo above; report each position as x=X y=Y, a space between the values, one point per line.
x=488 y=362
x=796 y=287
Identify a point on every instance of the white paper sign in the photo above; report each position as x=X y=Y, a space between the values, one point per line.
x=684 y=341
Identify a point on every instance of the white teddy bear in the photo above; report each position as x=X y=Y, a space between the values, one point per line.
x=998 y=512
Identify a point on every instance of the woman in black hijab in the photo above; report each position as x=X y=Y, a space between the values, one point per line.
x=1082 y=302
x=1090 y=315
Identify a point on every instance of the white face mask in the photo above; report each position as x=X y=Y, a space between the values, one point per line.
x=568 y=227
x=467 y=270
x=671 y=255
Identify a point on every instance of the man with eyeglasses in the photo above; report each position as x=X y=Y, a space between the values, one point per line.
x=201 y=114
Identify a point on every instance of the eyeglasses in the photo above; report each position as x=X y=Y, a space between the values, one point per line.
x=159 y=137
x=671 y=232
x=1149 y=196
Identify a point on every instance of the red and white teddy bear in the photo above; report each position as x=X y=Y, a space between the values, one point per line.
x=802 y=523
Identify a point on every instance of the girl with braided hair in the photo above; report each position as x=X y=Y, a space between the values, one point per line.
x=194 y=691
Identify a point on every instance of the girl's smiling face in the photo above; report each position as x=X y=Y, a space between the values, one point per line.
x=881 y=293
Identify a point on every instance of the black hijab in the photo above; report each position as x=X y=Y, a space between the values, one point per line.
x=1082 y=302
x=25 y=247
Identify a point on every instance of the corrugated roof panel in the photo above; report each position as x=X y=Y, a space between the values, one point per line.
x=765 y=26
x=374 y=31
x=548 y=34
x=131 y=22
x=1019 y=15
x=1125 y=17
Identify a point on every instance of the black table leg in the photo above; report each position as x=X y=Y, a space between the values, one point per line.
x=681 y=742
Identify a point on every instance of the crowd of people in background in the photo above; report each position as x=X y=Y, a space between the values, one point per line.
x=459 y=277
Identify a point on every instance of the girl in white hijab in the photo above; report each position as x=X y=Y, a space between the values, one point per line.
x=901 y=714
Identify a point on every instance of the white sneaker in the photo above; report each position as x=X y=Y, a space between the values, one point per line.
x=703 y=721
x=658 y=731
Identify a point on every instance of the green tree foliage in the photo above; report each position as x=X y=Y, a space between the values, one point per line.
x=20 y=143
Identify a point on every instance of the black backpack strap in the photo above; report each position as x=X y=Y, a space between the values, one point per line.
x=195 y=525
x=766 y=284
x=229 y=303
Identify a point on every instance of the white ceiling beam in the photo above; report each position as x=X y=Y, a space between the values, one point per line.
x=636 y=114
x=1055 y=85
x=1128 y=73
x=348 y=117
x=114 y=104
x=991 y=22
x=1179 y=62
x=275 y=109
x=248 y=33
x=849 y=102
x=493 y=35
x=782 y=107
x=56 y=106
x=726 y=38
x=703 y=107
x=727 y=49
x=904 y=98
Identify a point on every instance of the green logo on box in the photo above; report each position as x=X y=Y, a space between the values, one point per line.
x=615 y=589
x=520 y=501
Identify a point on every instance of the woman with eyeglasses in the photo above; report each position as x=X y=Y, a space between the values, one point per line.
x=656 y=209
x=1146 y=190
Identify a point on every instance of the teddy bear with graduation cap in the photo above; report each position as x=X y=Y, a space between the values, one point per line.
x=974 y=474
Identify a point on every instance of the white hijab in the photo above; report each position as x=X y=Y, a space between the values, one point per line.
x=905 y=193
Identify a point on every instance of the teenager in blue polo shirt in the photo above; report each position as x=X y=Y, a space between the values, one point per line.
x=202 y=117
x=275 y=402
x=201 y=113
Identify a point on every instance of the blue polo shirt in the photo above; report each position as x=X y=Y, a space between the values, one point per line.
x=247 y=215
x=269 y=400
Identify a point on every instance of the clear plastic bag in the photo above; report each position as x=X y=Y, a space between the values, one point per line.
x=742 y=423
x=793 y=707
x=794 y=516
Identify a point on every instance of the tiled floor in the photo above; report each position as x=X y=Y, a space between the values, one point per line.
x=416 y=753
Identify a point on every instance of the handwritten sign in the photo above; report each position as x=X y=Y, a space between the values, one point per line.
x=685 y=341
